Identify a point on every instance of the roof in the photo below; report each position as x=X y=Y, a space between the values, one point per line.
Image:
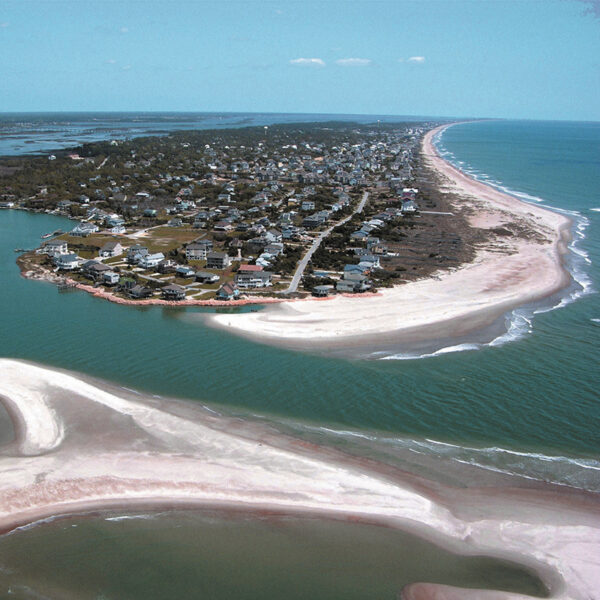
x=109 y=246
x=173 y=287
x=248 y=268
x=228 y=288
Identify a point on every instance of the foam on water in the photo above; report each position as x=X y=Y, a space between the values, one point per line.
x=578 y=472
x=520 y=321
x=144 y=517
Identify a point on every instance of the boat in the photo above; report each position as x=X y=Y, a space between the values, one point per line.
x=55 y=232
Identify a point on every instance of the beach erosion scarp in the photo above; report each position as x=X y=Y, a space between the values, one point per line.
x=82 y=446
x=508 y=271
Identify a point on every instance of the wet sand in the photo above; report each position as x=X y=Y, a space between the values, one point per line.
x=82 y=447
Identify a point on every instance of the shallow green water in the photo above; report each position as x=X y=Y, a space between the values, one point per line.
x=529 y=407
x=525 y=395
x=191 y=555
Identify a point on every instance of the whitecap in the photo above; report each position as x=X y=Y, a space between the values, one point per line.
x=144 y=517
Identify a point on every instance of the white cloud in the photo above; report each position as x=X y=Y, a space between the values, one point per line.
x=124 y=30
x=308 y=62
x=417 y=59
x=354 y=62
x=111 y=61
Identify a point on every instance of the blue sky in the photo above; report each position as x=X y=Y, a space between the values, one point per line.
x=514 y=59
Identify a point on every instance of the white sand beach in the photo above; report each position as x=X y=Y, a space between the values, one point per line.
x=82 y=447
x=507 y=272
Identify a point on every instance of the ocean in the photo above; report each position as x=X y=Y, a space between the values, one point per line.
x=525 y=405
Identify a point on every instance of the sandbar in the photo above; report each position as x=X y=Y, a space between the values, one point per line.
x=81 y=446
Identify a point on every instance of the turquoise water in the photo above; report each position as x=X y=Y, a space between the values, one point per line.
x=528 y=407
x=535 y=395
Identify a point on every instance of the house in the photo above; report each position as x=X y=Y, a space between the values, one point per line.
x=110 y=249
x=55 y=248
x=114 y=221
x=206 y=277
x=110 y=278
x=184 y=271
x=359 y=235
x=353 y=282
x=228 y=291
x=94 y=269
x=136 y=253
x=139 y=292
x=149 y=261
x=409 y=207
x=198 y=250
x=223 y=226
x=322 y=291
x=370 y=262
x=173 y=292
x=409 y=193
x=307 y=205
x=167 y=266
x=84 y=229
x=67 y=262
x=176 y=222
x=315 y=220
x=217 y=260
x=274 y=249
x=354 y=269
x=273 y=236
x=251 y=279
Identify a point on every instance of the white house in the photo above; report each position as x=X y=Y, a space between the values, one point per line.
x=111 y=278
x=84 y=229
x=198 y=250
x=55 y=248
x=67 y=262
x=151 y=260
x=110 y=249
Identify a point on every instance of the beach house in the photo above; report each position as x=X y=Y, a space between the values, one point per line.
x=55 y=248
x=110 y=249
x=217 y=260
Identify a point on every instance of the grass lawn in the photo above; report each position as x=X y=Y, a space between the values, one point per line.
x=168 y=238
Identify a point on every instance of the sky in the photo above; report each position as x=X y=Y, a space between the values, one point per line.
x=531 y=59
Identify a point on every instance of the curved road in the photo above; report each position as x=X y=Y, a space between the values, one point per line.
x=316 y=243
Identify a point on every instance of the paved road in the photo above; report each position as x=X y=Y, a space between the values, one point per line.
x=316 y=243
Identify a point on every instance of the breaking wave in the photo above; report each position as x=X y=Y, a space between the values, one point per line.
x=519 y=322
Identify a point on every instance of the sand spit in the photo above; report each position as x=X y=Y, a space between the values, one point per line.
x=510 y=271
x=81 y=447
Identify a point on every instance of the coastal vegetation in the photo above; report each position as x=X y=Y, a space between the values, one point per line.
x=241 y=208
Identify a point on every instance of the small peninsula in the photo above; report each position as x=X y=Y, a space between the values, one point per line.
x=272 y=215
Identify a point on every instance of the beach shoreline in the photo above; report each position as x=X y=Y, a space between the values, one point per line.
x=186 y=458
x=507 y=273
x=468 y=304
